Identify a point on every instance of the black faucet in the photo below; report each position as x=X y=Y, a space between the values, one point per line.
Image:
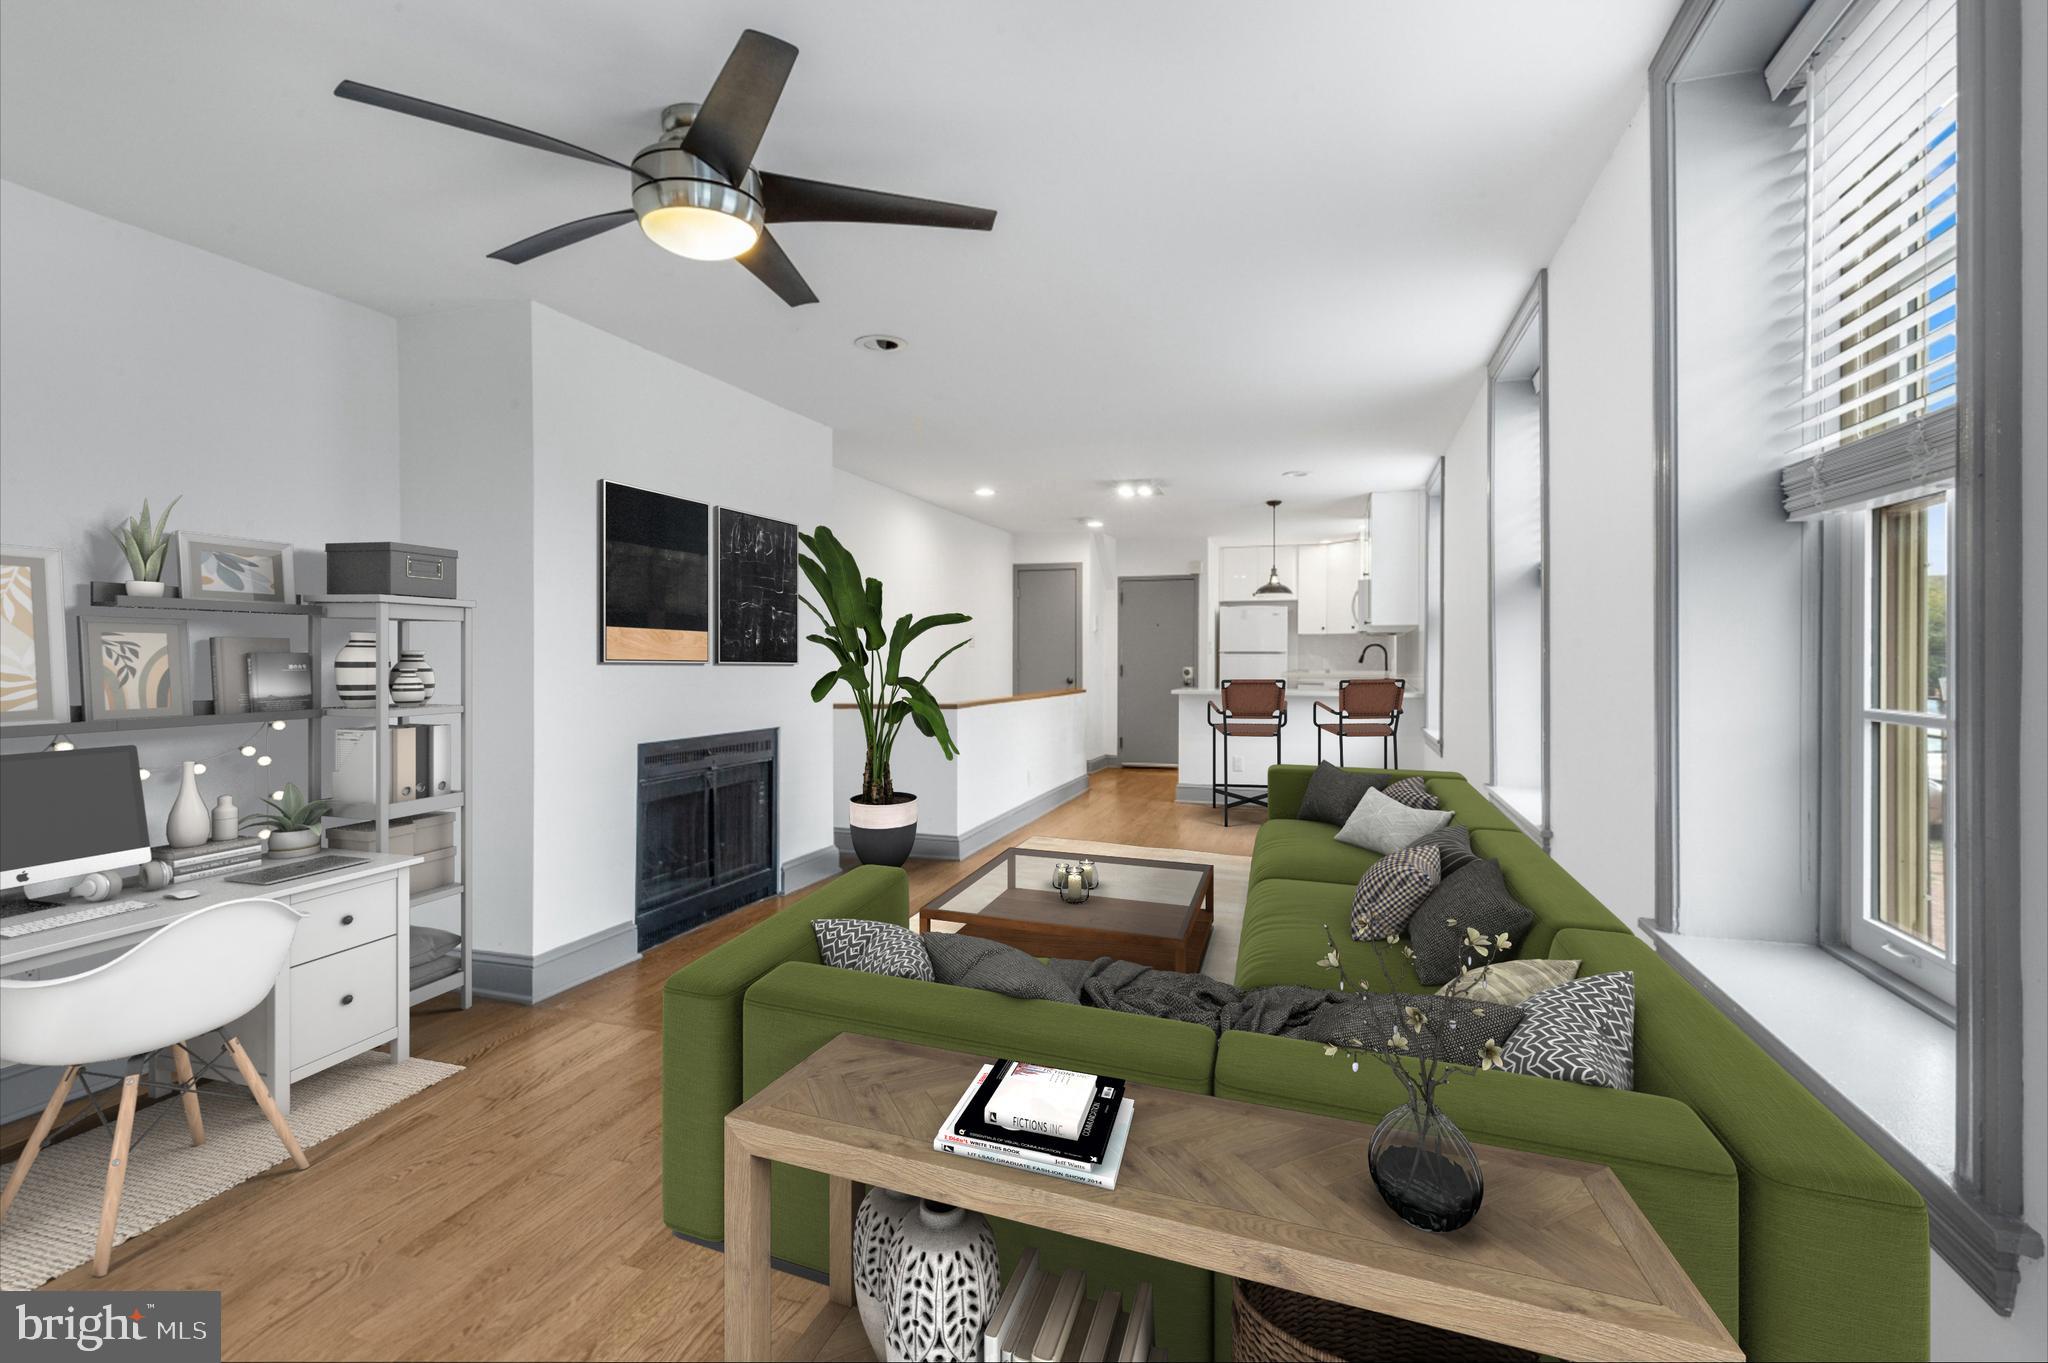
x=1386 y=660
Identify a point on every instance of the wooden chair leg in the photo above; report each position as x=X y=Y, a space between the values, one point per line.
x=117 y=1174
x=261 y=1093
x=181 y=1067
x=37 y=1137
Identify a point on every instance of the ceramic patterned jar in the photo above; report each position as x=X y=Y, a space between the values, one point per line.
x=355 y=671
x=412 y=681
x=876 y=1226
x=943 y=1285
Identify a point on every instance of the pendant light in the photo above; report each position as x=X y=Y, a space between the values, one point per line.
x=1274 y=586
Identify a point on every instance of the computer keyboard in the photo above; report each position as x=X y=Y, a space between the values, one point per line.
x=292 y=870
x=43 y=920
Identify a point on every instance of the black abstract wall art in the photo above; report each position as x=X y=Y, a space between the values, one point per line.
x=757 y=606
x=656 y=579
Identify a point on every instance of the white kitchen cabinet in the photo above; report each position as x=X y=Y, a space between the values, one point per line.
x=1327 y=588
x=1394 y=598
x=1243 y=569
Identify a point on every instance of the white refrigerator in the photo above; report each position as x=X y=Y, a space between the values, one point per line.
x=1251 y=641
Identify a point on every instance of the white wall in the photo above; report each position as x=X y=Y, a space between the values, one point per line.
x=134 y=366
x=931 y=561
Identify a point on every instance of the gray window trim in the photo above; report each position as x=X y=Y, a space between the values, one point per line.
x=1977 y=1213
x=1440 y=479
x=1534 y=310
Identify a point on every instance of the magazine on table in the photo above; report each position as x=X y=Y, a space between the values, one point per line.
x=1084 y=1152
x=1100 y=1173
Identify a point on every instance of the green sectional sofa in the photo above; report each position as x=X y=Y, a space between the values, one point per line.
x=1806 y=1243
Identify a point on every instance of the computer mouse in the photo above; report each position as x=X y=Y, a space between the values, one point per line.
x=182 y=894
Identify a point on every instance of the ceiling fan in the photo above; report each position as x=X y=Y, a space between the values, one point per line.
x=695 y=190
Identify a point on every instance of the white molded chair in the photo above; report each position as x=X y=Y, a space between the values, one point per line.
x=193 y=976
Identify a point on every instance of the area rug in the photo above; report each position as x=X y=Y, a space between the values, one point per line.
x=51 y=1227
x=1233 y=879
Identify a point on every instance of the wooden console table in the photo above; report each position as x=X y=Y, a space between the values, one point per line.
x=1560 y=1259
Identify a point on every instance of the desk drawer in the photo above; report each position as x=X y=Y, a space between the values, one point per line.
x=340 y=999
x=337 y=920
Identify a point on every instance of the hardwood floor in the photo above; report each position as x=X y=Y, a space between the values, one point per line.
x=514 y=1210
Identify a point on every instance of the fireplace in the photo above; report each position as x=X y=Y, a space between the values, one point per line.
x=706 y=830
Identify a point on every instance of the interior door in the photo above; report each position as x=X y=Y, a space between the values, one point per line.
x=1048 y=653
x=1157 y=627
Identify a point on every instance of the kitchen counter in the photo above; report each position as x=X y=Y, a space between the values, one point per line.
x=1315 y=688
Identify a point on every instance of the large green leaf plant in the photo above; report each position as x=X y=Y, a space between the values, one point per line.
x=871 y=659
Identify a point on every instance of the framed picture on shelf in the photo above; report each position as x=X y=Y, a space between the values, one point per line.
x=132 y=668
x=223 y=568
x=655 y=577
x=34 y=672
x=757 y=609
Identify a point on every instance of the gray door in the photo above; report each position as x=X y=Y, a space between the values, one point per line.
x=1156 y=638
x=1048 y=627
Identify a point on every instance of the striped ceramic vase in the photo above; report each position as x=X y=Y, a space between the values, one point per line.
x=412 y=681
x=355 y=671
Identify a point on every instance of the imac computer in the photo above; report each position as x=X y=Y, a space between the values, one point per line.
x=66 y=814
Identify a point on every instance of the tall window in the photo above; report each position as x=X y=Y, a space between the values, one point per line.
x=1433 y=609
x=1518 y=525
x=1878 y=427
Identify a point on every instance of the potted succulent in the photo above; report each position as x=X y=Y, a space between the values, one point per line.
x=871 y=664
x=294 y=823
x=143 y=544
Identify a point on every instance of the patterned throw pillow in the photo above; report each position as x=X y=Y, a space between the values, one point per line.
x=1383 y=825
x=1454 y=842
x=1510 y=981
x=877 y=948
x=1583 y=1032
x=1411 y=792
x=1474 y=901
x=1332 y=792
x=1392 y=890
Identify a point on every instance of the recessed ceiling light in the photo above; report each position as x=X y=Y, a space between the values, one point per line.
x=1126 y=490
x=877 y=341
x=1146 y=489
x=1092 y=523
x=984 y=492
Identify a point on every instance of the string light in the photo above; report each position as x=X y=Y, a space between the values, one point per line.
x=60 y=744
x=248 y=750
x=199 y=769
x=144 y=773
x=277 y=795
x=277 y=724
x=263 y=761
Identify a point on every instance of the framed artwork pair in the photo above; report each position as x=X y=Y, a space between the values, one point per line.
x=659 y=565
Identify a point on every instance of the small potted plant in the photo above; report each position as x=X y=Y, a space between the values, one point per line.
x=294 y=823
x=871 y=664
x=143 y=544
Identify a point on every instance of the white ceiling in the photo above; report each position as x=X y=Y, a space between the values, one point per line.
x=1234 y=239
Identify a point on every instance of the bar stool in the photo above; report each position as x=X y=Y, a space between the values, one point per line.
x=1365 y=709
x=1252 y=708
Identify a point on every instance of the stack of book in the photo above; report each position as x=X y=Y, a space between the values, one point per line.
x=1047 y=1317
x=1049 y=1121
x=210 y=858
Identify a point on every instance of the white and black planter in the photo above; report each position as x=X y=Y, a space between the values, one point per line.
x=883 y=833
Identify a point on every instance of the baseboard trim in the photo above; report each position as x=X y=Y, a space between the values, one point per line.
x=959 y=846
x=809 y=869
x=530 y=979
x=1096 y=764
x=778 y=1263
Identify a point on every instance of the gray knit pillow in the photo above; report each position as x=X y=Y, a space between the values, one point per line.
x=982 y=963
x=877 y=948
x=1475 y=900
x=1454 y=848
x=1333 y=793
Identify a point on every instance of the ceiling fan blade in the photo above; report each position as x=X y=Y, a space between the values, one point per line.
x=555 y=238
x=764 y=261
x=475 y=123
x=733 y=116
x=786 y=198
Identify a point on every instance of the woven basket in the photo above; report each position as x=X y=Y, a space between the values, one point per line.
x=1277 y=1326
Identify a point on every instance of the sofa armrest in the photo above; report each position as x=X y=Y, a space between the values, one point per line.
x=701 y=1009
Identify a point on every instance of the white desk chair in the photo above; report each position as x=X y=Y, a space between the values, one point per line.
x=192 y=976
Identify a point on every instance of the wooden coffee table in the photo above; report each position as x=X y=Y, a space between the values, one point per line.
x=1157 y=913
x=1560 y=1259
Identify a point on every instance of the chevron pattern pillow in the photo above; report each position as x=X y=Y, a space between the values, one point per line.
x=1392 y=890
x=1411 y=792
x=877 y=948
x=1583 y=1032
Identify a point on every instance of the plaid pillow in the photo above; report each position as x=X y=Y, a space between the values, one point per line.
x=1392 y=890
x=1411 y=792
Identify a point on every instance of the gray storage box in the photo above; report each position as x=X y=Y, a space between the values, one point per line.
x=385 y=568
x=415 y=835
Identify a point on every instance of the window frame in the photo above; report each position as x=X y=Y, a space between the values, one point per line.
x=1433 y=609
x=1531 y=316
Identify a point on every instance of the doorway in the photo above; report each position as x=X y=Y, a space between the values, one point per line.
x=1048 y=633
x=1158 y=623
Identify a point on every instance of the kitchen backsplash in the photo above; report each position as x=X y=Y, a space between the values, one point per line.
x=1338 y=653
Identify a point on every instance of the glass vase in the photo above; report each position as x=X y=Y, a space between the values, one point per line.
x=1425 y=1168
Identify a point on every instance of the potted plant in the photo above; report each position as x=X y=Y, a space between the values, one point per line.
x=871 y=664
x=294 y=823
x=144 y=546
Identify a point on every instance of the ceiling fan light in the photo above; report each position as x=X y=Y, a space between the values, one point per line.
x=699 y=233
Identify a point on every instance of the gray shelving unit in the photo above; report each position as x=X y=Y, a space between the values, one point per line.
x=393 y=619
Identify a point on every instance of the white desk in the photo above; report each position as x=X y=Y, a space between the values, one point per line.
x=345 y=990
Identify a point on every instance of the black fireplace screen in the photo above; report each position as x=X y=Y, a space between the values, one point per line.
x=707 y=830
